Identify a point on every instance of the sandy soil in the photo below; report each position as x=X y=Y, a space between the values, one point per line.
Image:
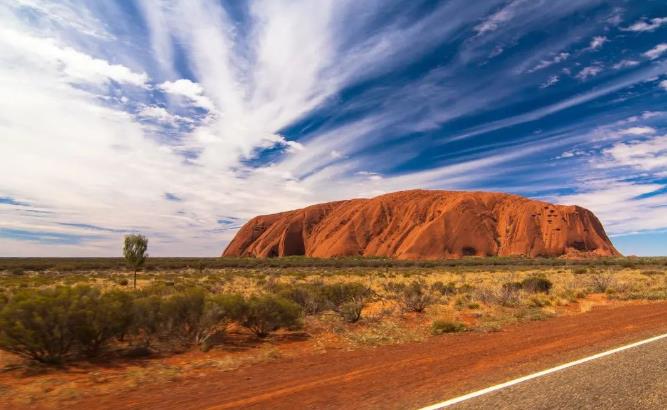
x=399 y=376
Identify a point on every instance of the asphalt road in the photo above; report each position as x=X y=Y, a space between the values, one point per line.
x=631 y=379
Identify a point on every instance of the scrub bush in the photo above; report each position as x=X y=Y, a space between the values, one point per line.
x=416 y=297
x=445 y=290
x=351 y=311
x=264 y=314
x=338 y=294
x=310 y=297
x=97 y=318
x=37 y=325
x=439 y=327
x=536 y=284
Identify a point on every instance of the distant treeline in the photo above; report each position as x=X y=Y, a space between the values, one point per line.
x=87 y=264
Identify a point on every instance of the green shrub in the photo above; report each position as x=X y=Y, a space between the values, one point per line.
x=346 y=299
x=509 y=294
x=53 y=324
x=394 y=288
x=310 y=297
x=351 y=311
x=462 y=301
x=264 y=314
x=148 y=320
x=36 y=325
x=652 y=272
x=416 y=297
x=539 y=301
x=219 y=312
x=96 y=318
x=512 y=286
x=445 y=290
x=536 y=284
x=465 y=288
x=182 y=313
x=338 y=294
x=439 y=327
x=601 y=282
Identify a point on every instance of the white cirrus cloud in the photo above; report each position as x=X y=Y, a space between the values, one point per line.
x=625 y=64
x=623 y=206
x=498 y=18
x=663 y=84
x=650 y=25
x=638 y=131
x=73 y=64
x=656 y=51
x=649 y=154
x=67 y=15
x=558 y=58
x=587 y=72
x=263 y=84
x=189 y=89
x=550 y=81
x=597 y=42
x=160 y=114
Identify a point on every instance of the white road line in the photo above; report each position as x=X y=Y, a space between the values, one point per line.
x=501 y=386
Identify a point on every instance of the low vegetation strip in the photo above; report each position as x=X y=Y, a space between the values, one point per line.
x=60 y=317
x=57 y=324
x=182 y=323
x=156 y=263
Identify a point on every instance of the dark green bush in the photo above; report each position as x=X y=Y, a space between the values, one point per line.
x=601 y=282
x=338 y=294
x=512 y=286
x=97 y=318
x=439 y=327
x=351 y=311
x=416 y=297
x=182 y=314
x=51 y=325
x=310 y=297
x=347 y=299
x=465 y=288
x=219 y=312
x=536 y=284
x=394 y=287
x=509 y=294
x=148 y=319
x=652 y=272
x=264 y=314
x=35 y=325
x=445 y=290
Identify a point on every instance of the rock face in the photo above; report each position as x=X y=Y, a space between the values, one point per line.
x=422 y=224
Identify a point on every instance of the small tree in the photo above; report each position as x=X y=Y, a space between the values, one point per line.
x=134 y=251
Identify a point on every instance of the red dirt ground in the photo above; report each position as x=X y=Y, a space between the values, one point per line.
x=401 y=376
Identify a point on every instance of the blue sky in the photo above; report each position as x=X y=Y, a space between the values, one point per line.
x=182 y=119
